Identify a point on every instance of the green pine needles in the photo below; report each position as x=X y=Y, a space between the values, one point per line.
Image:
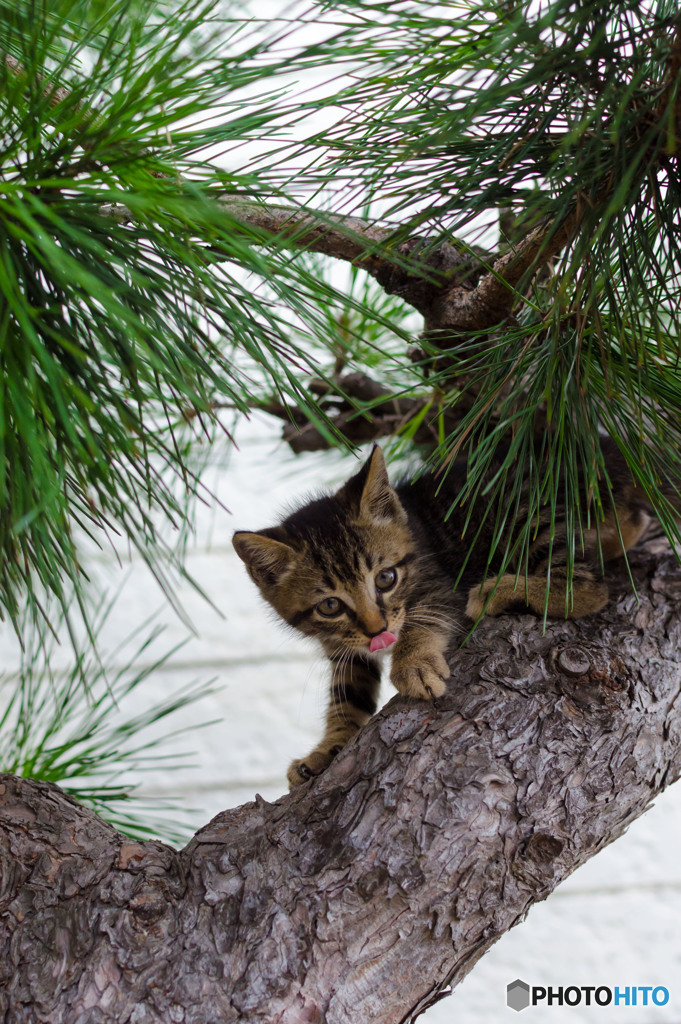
x=139 y=295
x=488 y=121
x=87 y=739
x=119 y=332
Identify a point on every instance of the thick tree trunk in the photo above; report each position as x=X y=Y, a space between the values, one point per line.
x=363 y=894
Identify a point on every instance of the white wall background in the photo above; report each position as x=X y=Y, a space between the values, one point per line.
x=614 y=922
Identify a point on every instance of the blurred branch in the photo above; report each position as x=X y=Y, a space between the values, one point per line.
x=53 y=93
x=363 y=410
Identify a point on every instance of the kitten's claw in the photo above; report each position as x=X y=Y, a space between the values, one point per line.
x=305 y=768
x=423 y=677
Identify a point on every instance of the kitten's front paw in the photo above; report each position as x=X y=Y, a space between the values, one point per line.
x=315 y=763
x=421 y=675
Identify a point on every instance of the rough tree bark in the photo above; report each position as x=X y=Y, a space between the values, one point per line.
x=368 y=891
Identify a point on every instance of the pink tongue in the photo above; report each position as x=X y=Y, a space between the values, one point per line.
x=383 y=640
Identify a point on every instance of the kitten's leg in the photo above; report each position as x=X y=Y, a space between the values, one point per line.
x=419 y=664
x=352 y=702
x=518 y=593
x=615 y=535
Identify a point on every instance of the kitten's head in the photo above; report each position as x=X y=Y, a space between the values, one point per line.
x=338 y=568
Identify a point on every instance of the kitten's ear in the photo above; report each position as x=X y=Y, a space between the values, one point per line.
x=268 y=560
x=371 y=488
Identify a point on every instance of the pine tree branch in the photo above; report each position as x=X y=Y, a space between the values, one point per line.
x=416 y=270
x=492 y=300
x=345 y=238
x=431 y=834
x=54 y=94
x=449 y=285
x=362 y=410
x=448 y=309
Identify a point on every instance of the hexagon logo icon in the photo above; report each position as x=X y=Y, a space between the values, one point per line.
x=518 y=995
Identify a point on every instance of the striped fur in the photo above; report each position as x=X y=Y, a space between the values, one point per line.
x=346 y=567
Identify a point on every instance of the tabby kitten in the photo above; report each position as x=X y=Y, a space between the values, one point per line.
x=373 y=567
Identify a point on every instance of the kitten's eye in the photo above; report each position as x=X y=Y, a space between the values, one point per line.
x=330 y=606
x=386 y=578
